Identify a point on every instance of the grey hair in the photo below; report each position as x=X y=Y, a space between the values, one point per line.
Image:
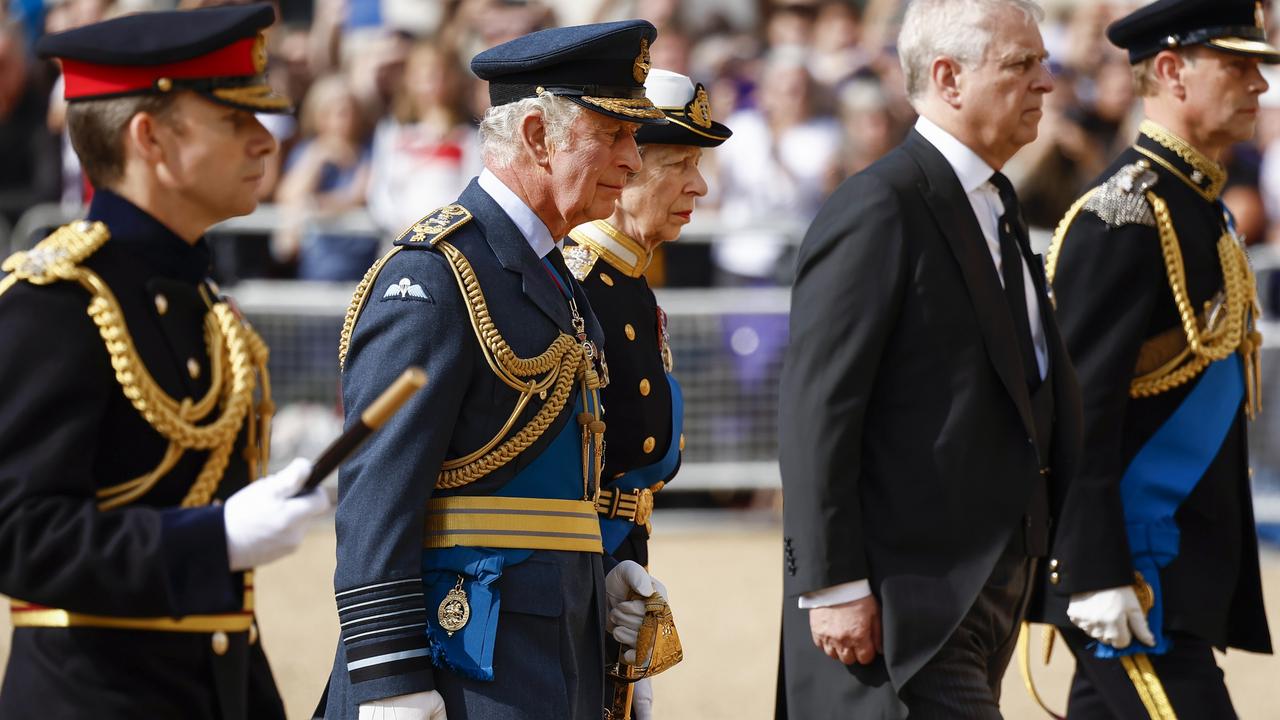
x=958 y=29
x=500 y=126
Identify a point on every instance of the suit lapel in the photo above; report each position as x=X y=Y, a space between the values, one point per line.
x=514 y=254
x=954 y=216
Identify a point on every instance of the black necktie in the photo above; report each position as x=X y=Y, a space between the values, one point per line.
x=1013 y=240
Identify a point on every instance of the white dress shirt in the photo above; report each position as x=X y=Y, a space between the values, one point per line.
x=526 y=220
x=974 y=175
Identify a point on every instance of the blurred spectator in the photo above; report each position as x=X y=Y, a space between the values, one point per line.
x=775 y=171
x=426 y=151
x=326 y=175
x=30 y=166
x=838 y=53
x=869 y=127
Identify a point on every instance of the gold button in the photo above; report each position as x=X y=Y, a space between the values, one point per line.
x=630 y=331
x=606 y=279
x=162 y=304
x=1053 y=564
x=220 y=643
x=644 y=387
x=681 y=441
x=1053 y=578
x=253 y=633
x=193 y=368
x=164 y=84
x=649 y=442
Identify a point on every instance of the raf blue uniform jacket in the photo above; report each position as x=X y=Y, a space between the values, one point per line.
x=384 y=488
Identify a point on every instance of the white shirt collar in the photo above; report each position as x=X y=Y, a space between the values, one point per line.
x=535 y=231
x=971 y=170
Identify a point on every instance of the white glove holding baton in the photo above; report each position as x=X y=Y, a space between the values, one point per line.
x=427 y=705
x=264 y=522
x=1113 y=616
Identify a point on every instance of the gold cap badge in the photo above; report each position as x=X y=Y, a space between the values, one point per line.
x=700 y=108
x=640 y=69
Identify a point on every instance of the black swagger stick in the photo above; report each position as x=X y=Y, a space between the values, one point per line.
x=378 y=412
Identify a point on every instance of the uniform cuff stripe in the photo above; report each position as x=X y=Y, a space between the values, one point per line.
x=389 y=657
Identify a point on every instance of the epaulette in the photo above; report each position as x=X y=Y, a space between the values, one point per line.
x=580 y=260
x=1122 y=200
x=57 y=256
x=434 y=227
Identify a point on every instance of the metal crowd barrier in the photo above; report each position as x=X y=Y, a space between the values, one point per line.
x=728 y=346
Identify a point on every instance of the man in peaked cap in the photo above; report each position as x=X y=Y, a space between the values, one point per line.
x=470 y=573
x=128 y=524
x=1157 y=306
x=643 y=403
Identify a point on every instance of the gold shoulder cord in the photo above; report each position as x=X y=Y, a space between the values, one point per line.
x=234 y=348
x=1230 y=329
x=550 y=375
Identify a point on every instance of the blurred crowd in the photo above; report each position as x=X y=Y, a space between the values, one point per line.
x=387 y=111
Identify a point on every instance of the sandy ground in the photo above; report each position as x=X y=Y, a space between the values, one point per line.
x=723 y=574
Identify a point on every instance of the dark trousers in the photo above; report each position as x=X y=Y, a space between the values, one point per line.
x=963 y=679
x=1188 y=675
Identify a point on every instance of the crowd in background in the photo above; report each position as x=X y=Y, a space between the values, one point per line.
x=387 y=113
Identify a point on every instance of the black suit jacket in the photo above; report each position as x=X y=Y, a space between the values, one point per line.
x=908 y=448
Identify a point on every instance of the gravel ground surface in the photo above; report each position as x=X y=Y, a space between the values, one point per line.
x=723 y=573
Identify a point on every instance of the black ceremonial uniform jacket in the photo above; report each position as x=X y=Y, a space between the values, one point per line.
x=67 y=434
x=410 y=310
x=1117 y=311
x=637 y=400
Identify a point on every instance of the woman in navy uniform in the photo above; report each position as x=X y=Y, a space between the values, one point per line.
x=136 y=401
x=1157 y=306
x=470 y=573
x=643 y=404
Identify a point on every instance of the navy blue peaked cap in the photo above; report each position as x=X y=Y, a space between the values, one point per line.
x=219 y=52
x=1233 y=26
x=601 y=67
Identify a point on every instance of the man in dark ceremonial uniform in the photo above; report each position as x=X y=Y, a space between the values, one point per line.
x=470 y=575
x=1157 y=305
x=644 y=410
x=136 y=404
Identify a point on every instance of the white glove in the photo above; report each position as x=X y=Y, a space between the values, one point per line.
x=265 y=522
x=625 y=616
x=642 y=700
x=426 y=705
x=1113 y=616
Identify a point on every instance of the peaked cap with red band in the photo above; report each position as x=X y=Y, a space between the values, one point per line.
x=218 y=52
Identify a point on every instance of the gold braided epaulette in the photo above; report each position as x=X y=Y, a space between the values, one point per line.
x=435 y=226
x=57 y=256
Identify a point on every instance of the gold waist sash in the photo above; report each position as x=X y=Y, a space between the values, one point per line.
x=512 y=522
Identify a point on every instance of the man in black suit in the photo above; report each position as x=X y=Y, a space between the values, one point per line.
x=1157 y=303
x=929 y=413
